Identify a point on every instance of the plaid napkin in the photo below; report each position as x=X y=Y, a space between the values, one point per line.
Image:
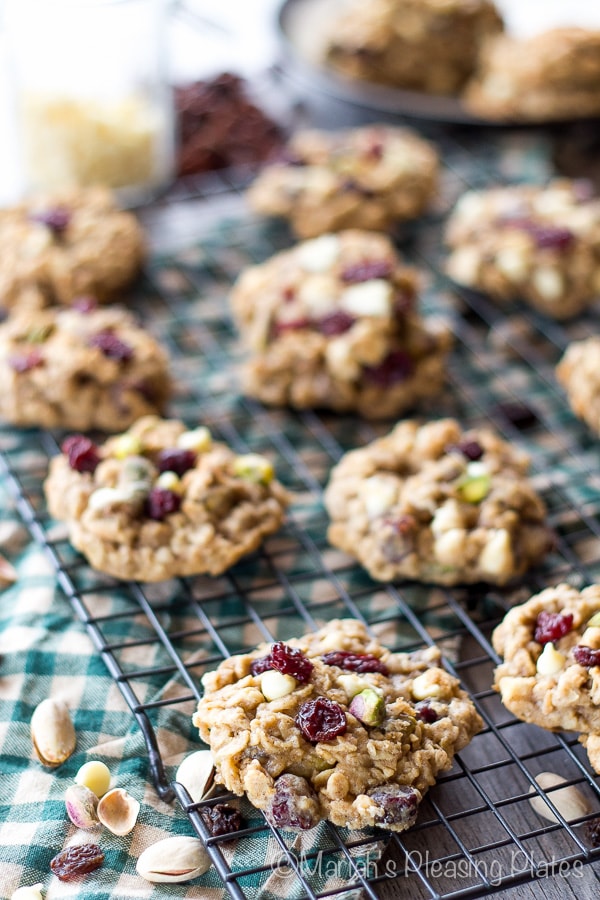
x=44 y=652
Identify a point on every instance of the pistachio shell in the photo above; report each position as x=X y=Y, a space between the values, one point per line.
x=52 y=732
x=196 y=774
x=28 y=892
x=174 y=859
x=81 y=806
x=118 y=811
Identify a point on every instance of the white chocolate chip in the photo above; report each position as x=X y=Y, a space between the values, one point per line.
x=317 y=294
x=569 y=801
x=353 y=685
x=108 y=496
x=275 y=685
x=496 y=558
x=463 y=265
x=470 y=206
x=424 y=686
x=548 y=283
x=513 y=263
x=340 y=359
x=199 y=439
x=379 y=495
x=370 y=298
x=449 y=546
x=319 y=254
x=591 y=637
x=550 y=661
x=446 y=517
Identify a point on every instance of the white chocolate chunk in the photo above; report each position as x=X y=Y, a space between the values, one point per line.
x=379 y=495
x=319 y=254
x=370 y=298
x=463 y=265
x=548 y=283
x=550 y=661
x=513 y=263
x=275 y=685
x=497 y=555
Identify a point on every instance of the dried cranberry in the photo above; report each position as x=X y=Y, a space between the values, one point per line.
x=397 y=366
x=77 y=860
x=367 y=271
x=586 y=656
x=260 y=665
x=593 y=831
x=400 y=804
x=517 y=413
x=175 y=460
x=294 y=804
x=426 y=713
x=56 y=218
x=23 y=362
x=321 y=719
x=335 y=323
x=112 y=346
x=289 y=661
x=222 y=819
x=82 y=453
x=545 y=236
x=291 y=325
x=161 y=503
x=551 y=626
x=355 y=662
x=472 y=450
x=85 y=304
x=375 y=149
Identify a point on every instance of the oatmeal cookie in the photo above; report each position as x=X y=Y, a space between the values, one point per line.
x=57 y=248
x=365 y=177
x=551 y=76
x=334 y=726
x=159 y=501
x=437 y=504
x=551 y=670
x=419 y=45
x=538 y=244
x=332 y=324
x=80 y=368
x=579 y=373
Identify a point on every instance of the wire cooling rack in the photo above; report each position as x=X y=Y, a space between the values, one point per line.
x=476 y=833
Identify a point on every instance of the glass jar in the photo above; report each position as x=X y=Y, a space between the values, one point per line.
x=92 y=100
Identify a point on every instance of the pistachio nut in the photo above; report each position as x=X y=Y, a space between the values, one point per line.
x=196 y=774
x=569 y=801
x=173 y=859
x=52 y=732
x=81 y=806
x=118 y=811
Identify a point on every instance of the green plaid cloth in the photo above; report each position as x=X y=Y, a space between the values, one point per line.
x=45 y=652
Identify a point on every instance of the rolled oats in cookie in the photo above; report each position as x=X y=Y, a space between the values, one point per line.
x=160 y=501
x=356 y=734
x=550 y=674
x=419 y=45
x=540 y=244
x=438 y=504
x=332 y=323
x=368 y=177
x=57 y=248
x=553 y=75
x=80 y=368
x=579 y=374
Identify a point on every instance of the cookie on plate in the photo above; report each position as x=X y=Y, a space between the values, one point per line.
x=59 y=247
x=438 y=504
x=551 y=76
x=368 y=177
x=159 y=501
x=538 y=244
x=419 y=45
x=332 y=324
x=334 y=726
x=550 y=675
x=579 y=373
x=80 y=368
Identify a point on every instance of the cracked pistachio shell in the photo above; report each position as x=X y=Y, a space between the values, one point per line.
x=82 y=806
x=174 y=859
x=118 y=811
x=569 y=801
x=52 y=732
x=196 y=774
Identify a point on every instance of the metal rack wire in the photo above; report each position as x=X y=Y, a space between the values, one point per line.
x=476 y=832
